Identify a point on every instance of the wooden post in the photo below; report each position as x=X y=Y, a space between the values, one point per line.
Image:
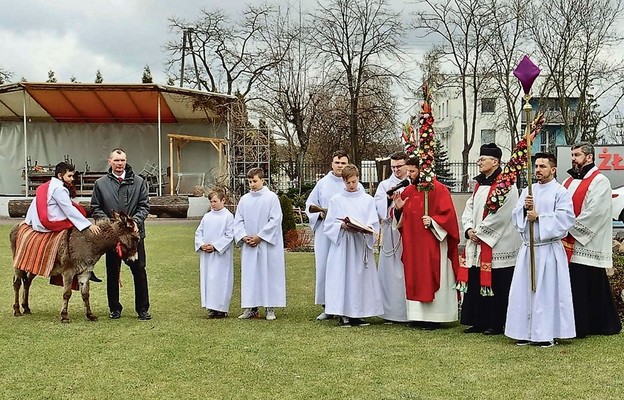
x=170 y=166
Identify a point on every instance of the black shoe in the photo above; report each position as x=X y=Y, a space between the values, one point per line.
x=473 y=329
x=94 y=278
x=358 y=322
x=492 y=332
x=144 y=316
x=550 y=343
x=344 y=322
x=430 y=326
x=114 y=314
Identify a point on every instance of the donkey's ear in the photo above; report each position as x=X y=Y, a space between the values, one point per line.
x=115 y=214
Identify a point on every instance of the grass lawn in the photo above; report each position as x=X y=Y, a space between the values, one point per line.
x=181 y=354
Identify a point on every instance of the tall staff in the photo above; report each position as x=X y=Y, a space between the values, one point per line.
x=527 y=72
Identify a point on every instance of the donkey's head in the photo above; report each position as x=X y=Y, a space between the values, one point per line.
x=128 y=235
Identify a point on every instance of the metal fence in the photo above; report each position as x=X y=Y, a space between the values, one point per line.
x=281 y=180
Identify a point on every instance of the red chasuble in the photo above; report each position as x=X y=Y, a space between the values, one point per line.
x=421 y=249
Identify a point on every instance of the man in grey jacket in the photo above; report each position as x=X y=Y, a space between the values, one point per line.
x=122 y=190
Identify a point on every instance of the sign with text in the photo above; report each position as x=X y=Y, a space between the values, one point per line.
x=609 y=160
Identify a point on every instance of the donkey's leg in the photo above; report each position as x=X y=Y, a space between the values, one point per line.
x=67 y=292
x=83 y=279
x=17 y=284
x=26 y=300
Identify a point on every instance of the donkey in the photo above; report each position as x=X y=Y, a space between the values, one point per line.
x=76 y=256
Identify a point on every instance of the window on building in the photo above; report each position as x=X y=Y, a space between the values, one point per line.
x=548 y=141
x=488 y=136
x=488 y=105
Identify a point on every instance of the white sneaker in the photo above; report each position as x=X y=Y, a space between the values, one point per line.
x=322 y=316
x=248 y=314
x=270 y=314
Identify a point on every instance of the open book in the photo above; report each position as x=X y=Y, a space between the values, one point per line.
x=356 y=225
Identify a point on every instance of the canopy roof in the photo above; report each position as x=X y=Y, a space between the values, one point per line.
x=109 y=103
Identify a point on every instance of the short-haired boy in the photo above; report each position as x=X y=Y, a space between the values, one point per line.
x=258 y=229
x=213 y=241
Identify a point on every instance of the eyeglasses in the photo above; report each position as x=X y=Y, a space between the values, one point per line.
x=397 y=166
x=482 y=159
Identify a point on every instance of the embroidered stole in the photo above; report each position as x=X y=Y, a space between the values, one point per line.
x=485 y=264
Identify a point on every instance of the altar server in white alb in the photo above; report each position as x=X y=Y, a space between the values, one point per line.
x=258 y=229
x=540 y=317
x=214 y=239
x=324 y=189
x=589 y=246
x=391 y=274
x=352 y=283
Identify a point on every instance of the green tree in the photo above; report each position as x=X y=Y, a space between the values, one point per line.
x=147 y=75
x=98 y=77
x=288 y=220
x=51 y=77
x=441 y=168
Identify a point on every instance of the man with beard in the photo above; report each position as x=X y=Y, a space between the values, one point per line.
x=323 y=191
x=588 y=246
x=491 y=250
x=430 y=256
x=52 y=210
x=391 y=274
x=539 y=317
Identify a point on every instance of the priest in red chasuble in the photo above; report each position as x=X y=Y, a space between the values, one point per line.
x=430 y=251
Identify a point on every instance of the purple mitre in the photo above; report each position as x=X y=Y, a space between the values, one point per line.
x=526 y=72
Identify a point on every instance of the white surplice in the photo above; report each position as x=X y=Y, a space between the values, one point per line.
x=323 y=191
x=352 y=283
x=216 y=269
x=60 y=207
x=263 y=271
x=391 y=274
x=593 y=228
x=495 y=229
x=547 y=313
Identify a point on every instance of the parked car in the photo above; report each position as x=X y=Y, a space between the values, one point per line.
x=617 y=204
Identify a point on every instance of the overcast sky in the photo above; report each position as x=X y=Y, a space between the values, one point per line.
x=78 y=37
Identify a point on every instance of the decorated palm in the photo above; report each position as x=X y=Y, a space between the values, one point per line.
x=517 y=162
x=422 y=147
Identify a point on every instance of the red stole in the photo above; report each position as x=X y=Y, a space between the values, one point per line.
x=485 y=265
x=41 y=197
x=421 y=249
x=577 y=200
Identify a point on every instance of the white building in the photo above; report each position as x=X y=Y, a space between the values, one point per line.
x=489 y=125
